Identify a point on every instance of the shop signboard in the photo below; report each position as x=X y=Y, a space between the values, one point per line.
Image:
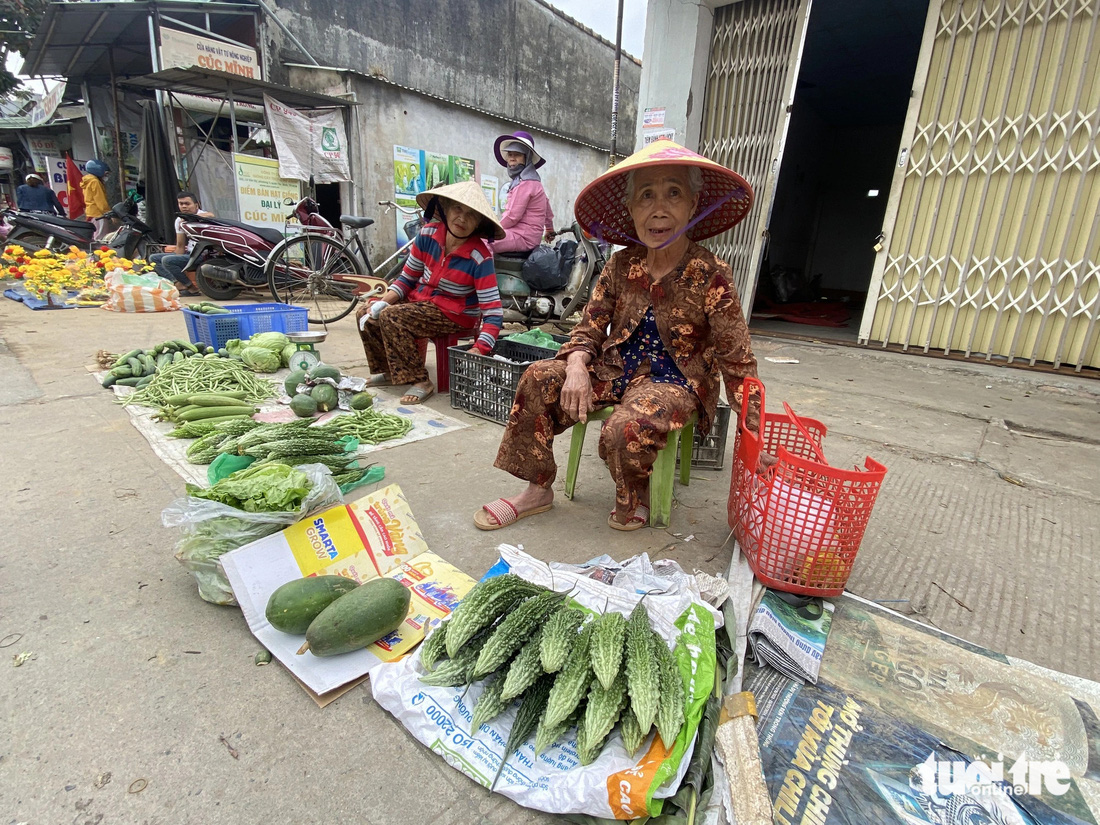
x=261 y=193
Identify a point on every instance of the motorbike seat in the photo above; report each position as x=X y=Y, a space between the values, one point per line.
x=269 y=235
x=355 y=222
x=68 y=223
x=513 y=256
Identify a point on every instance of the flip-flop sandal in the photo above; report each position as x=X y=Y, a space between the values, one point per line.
x=636 y=522
x=504 y=512
x=418 y=394
x=379 y=380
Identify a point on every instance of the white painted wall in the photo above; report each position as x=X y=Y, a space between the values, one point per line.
x=389 y=115
x=674 y=66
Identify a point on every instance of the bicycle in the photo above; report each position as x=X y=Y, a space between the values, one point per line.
x=330 y=272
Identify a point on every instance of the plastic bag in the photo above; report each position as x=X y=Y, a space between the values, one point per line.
x=211 y=529
x=535 y=338
x=615 y=785
x=225 y=465
x=567 y=256
x=540 y=269
x=127 y=292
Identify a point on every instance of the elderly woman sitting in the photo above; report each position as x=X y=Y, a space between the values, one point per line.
x=448 y=286
x=663 y=322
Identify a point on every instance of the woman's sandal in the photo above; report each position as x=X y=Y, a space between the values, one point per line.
x=379 y=380
x=418 y=395
x=504 y=513
x=636 y=522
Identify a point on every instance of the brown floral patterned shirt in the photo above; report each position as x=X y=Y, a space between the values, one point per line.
x=698 y=316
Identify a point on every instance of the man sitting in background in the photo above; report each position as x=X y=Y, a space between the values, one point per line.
x=171 y=261
x=34 y=196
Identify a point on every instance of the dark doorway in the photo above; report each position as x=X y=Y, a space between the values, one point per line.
x=850 y=102
x=328 y=202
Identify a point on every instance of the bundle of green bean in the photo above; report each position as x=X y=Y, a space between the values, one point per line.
x=201 y=375
x=369 y=426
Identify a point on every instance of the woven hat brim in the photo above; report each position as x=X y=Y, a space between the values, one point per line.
x=601 y=208
x=469 y=194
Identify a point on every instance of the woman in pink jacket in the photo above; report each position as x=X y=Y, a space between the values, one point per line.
x=527 y=213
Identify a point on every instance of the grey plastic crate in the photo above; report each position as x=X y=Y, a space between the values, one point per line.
x=485 y=386
x=709 y=452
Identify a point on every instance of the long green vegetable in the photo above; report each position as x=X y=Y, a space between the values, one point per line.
x=369 y=426
x=201 y=375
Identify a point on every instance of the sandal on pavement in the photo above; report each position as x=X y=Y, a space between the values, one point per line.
x=418 y=395
x=636 y=522
x=379 y=380
x=504 y=512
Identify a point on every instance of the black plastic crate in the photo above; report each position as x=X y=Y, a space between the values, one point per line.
x=486 y=386
x=708 y=452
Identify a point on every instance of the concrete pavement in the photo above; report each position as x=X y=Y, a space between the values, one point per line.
x=141 y=703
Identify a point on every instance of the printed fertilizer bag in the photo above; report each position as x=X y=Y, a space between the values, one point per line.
x=615 y=785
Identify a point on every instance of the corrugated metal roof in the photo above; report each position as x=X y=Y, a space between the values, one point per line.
x=79 y=40
x=207 y=83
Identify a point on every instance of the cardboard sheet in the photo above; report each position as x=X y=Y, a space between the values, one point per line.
x=371 y=537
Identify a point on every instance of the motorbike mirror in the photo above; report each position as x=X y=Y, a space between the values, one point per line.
x=289 y=201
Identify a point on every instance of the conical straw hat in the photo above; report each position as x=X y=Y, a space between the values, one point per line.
x=601 y=206
x=469 y=194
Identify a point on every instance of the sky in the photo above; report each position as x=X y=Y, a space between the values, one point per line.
x=599 y=15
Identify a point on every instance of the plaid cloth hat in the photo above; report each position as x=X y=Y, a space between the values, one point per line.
x=601 y=206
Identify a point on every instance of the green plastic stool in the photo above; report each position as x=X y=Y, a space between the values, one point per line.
x=664 y=468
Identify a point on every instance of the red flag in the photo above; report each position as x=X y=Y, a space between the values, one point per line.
x=76 y=194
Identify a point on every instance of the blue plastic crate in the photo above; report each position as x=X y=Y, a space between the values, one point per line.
x=244 y=322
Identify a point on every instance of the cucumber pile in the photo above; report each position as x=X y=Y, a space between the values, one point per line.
x=208 y=308
x=137 y=367
x=214 y=407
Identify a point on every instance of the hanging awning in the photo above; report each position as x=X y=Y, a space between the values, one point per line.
x=209 y=83
x=79 y=41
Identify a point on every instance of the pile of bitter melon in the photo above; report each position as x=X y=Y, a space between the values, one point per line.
x=562 y=666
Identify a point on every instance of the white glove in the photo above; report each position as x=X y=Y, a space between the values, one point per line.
x=372 y=313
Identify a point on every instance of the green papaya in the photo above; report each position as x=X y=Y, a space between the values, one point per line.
x=325 y=396
x=304 y=406
x=292 y=381
x=357 y=619
x=295 y=604
x=324 y=371
x=362 y=401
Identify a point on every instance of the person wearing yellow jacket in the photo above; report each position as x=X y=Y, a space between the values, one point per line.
x=96 y=208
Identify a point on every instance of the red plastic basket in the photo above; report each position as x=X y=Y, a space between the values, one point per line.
x=799 y=522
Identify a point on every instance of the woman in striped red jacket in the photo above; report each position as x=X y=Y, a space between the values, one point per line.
x=448 y=286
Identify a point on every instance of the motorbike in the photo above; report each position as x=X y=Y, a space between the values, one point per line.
x=531 y=307
x=38 y=230
x=229 y=256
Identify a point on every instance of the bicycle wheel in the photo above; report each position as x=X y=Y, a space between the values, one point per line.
x=315 y=272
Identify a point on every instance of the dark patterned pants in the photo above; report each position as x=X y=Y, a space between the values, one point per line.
x=391 y=342
x=629 y=441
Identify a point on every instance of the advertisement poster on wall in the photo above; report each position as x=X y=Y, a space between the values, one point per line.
x=462 y=169
x=408 y=171
x=437 y=169
x=41 y=148
x=261 y=192
x=490 y=185
x=403 y=217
